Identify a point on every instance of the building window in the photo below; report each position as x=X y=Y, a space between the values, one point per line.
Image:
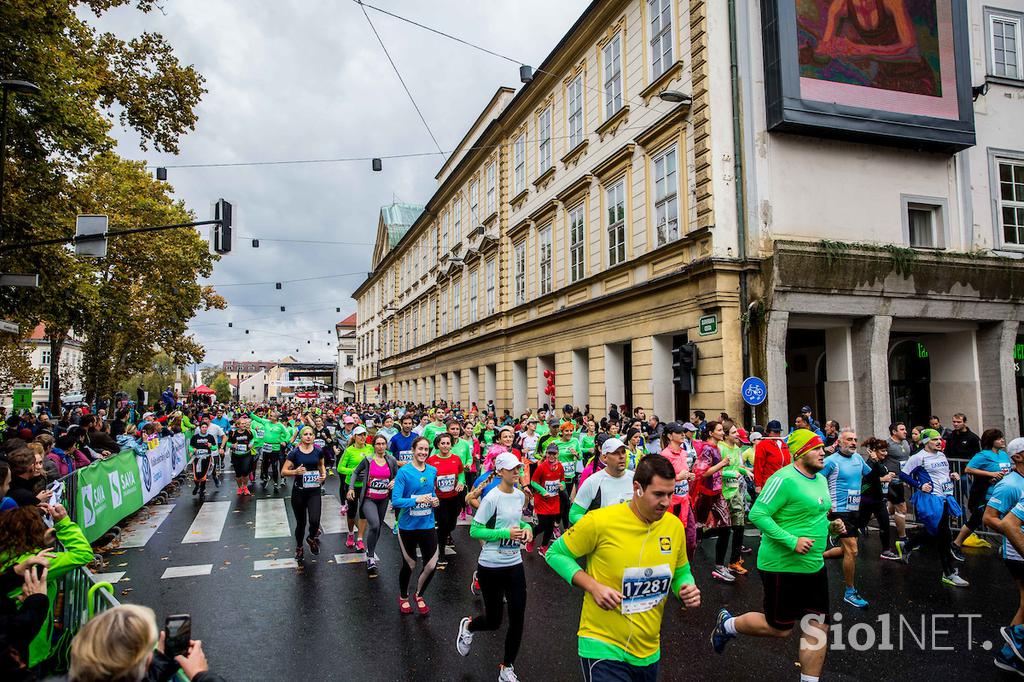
x=444 y=311
x=456 y=305
x=544 y=141
x=924 y=221
x=458 y=219
x=473 y=282
x=348 y=361
x=1004 y=29
x=490 y=286
x=616 y=223
x=519 y=275
x=492 y=206
x=666 y=204
x=661 y=36
x=46 y=380
x=45 y=361
x=544 y=249
x=519 y=153
x=474 y=213
x=575 y=120
x=444 y=232
x=1011 y=201
x=432 y=247
x=576 y=241
x=415 y=326
x=613 y=76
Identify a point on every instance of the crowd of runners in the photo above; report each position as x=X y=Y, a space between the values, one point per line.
x=618 y=506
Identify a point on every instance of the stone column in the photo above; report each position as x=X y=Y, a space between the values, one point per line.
x=870 y=343
x=999 y=409
x=775 y=364
x=839 y=388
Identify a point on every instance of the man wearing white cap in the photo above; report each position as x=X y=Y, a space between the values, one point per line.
x=611 y=485
x=1004 y=513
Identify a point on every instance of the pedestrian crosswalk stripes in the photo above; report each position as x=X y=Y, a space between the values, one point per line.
x=270 y=564
x=271 y=519
x=331 y=520
x=187 y=571
x=140 y=532
x=209 y=523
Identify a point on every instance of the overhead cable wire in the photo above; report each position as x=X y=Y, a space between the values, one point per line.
x=285 y=281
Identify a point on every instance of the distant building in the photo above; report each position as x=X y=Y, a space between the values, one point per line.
x=347 y=372
x=38 y=347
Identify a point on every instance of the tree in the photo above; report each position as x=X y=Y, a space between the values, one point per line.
x=160 y=373
x=85 y=78
x=16 y=364
x=222 y=385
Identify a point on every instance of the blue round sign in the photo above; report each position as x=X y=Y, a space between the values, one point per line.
x=754 y=391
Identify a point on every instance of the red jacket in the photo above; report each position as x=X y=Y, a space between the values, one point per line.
x=770 y=455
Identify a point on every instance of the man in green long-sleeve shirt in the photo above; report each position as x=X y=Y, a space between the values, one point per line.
x=636 y=556
x=276 y=437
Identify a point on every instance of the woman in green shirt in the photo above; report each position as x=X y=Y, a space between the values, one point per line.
x=358 y=450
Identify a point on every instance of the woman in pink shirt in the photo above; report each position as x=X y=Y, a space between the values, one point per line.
x=672 y=443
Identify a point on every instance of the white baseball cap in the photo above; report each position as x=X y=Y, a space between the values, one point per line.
x=358 y=430
x=506 y=460
x=611 y=445
x=1014 y=446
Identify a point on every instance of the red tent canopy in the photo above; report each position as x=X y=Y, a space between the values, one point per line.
x=203 y=389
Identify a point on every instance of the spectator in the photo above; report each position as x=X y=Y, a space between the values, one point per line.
x=935 y=423
x=831 y=435
x=19 y=623
x=5 y=484
x=770 y=454
x=27 y=486
x=808 y=416
x=698 y=420
x=801 y=421
x=50 y=470
x=961 y=442
x=129 y=439
x=67 y=456
x=139 y=654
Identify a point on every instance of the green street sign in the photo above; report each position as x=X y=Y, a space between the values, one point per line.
x=708 y=325
x=22 y=398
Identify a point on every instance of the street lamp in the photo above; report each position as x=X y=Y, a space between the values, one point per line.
x=675 y=97
x=8 y=86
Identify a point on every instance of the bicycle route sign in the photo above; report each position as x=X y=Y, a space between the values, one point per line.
x=754 y=391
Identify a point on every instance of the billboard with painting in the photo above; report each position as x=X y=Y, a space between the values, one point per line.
x=889 y=71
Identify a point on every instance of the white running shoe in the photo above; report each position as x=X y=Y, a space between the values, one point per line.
x=507 y=674
x=955 y=580
x=465 y=639
x=724 y=574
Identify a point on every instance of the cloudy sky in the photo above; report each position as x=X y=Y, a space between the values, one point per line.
x=307 y=79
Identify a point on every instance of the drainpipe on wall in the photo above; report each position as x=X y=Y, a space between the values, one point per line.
x=741 y=202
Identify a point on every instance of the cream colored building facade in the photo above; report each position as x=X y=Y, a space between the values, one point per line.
x=585 y=226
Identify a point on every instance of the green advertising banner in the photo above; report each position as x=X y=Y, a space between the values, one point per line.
x=108 y=491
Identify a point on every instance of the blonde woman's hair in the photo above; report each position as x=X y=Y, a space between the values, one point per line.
x=115 y=646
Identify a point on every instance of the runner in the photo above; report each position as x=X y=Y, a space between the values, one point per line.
x=450 y=484
x=569 y=453
x=374 y=478
x=672 y=439
x=463 y=449
x=414 y=501
x=709 y=506
x=306 y=463
x=240 y=442
x=276 y=437
x=985 y=469
x=221 y=437
x=898 y=451
x=873 y=497
x=324 y=439
x=635 y=450
x=1004 y=513
x=845 y=471
x=205 y=447
x=499 y=524
x=401 y=443
x=358 y=450
x=548 y=481
x=611 y=485
x=792 y=513
x=734 y=491
x=436 y=426
x=933 y=500
x=636 y=555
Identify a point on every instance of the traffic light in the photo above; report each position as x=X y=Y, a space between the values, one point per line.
x=684 y=367
x=222 y=230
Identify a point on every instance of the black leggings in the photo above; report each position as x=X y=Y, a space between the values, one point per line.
x=200 y=469
x=306 y=501
x=447 y=515
x=974 y=520
x=563 y=496
x=723 y=534
x=272 y=461
x=373 y=511
x=545 y=528
x=507 y=583
x=880 y=510
x=408 y=540
x=941 y=539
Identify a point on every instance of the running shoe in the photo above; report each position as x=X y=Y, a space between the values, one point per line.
x=299 y=553
x=246 y=490
x=195 y=489
x=955 y=580
x=543 y=551
x=314 y=545
x=507 y=674
x=746 y=550
x=404 y=605
x=462 y=515
x=724 y=574
x=450 y=542
x=955 y=550
x=350 y=541
x=1014 y=636
x=556 y=533
x=360 y=546
x=344 y=509
x=719 y=637
x=529 y=547
x=889 y=555
x=238 y=491
x=1010 y=665
x=853 y=598
x=903 y=551
x=474 y=587
x=736 y=567
x=465 y=639
x=420 y=604
x=371 y=568
x=441 y=564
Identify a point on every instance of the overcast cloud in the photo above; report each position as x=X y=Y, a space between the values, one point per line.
x=306 y=79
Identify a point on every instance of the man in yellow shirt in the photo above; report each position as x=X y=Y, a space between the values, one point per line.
x=636 y=556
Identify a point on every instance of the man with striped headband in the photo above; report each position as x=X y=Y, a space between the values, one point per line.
x=792 y=513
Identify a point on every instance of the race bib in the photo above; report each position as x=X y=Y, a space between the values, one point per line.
x=267 y=449
x=311 y=479
x=731 y=482
x=852 y=500
x=446 y=483
x=378 y=484
x=643 y=588
x=201 y=453
x=682 y=489
x=1004 y=467
x=508 y=546
x=551 y=488
x=319 y=442
x=885 y=488
x=405 y=456
x=240 y=448
x=420 y=509
x=947 y=488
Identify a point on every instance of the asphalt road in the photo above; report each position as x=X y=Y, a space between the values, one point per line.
x=327 y=621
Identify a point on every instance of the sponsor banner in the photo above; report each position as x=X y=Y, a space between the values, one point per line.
x=160 y=464
x=108 y=491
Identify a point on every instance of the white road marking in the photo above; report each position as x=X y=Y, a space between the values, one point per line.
x=187 y=571
x=140 y=532
x=271 y=518
x=209 y=523
x=111 y=578
x=268 y=564
x=331 y=519
x=359 y=558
